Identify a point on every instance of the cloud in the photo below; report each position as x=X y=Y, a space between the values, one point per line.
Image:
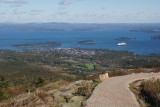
x=14 y=2
x=63 y=5
x=2 y=13
x=30 y=12
x=36 y=12
x=62 y=13
x=67 y=2
x=17 y=12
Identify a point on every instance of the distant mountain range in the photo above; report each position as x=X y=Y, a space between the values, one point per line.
x=77 y=26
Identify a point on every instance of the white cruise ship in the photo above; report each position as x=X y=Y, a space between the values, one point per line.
x=121 y=44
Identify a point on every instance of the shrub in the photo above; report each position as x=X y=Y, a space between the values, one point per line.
x=38 y=82
x=3 y=86
x=150 y=91
x=117 y=73
x=15 y=90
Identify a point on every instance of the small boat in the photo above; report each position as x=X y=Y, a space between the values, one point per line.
x=121 y=44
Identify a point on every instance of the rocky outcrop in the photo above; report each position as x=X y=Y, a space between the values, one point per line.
x=72 y=95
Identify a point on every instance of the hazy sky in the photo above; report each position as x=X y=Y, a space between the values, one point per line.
x=80 y=11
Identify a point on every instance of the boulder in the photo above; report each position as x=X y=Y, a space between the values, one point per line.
x=103 y=77
x=77 y=98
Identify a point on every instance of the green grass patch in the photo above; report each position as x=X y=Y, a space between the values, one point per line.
x=90 y=66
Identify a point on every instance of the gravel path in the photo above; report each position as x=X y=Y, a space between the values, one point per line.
x=114 y=92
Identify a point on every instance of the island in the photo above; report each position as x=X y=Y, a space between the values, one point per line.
x=146 y=30
x=86 y=42
x=124 y=38
x=156 y=37
x=39 y=44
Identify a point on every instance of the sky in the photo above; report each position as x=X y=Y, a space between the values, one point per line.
x=80 y=11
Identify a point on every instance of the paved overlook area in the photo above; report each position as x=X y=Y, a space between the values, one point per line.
x=115 y=92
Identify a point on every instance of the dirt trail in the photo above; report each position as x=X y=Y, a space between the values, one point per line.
x=115 y=92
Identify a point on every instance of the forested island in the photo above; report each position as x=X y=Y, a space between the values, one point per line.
x=124 y=38
x=39 y=44
x=86 y=42
x=156 y=37
x=146 y=30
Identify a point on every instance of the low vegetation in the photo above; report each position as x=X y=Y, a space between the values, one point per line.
x=147 y=92
x=26 y=71
x=55 y=95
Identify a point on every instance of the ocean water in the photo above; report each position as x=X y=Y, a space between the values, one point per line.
x=105 y=39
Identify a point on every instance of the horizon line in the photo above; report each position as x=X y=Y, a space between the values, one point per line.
x=77 y=23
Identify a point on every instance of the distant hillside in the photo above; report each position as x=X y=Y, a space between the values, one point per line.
x=78 y=26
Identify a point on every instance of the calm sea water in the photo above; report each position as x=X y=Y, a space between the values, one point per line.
x=143 y=44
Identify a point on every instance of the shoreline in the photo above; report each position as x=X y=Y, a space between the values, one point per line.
x=58 y=48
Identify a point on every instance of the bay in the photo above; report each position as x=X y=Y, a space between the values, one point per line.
x=104 y=39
